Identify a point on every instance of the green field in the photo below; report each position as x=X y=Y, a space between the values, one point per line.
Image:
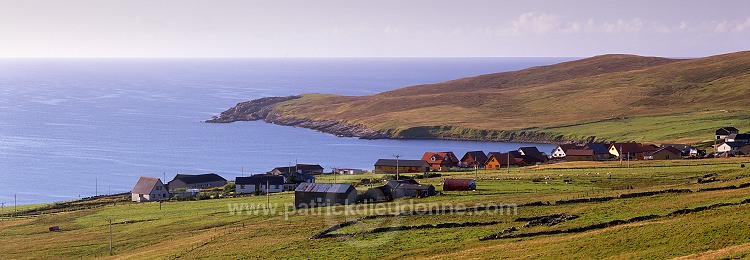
x=242 y=228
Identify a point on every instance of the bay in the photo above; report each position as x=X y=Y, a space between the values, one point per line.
x=73 y=128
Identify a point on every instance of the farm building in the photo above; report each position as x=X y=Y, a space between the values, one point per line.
x=440 y=161
x=601 y=151
x=667 y=153
x=685 y=149
x=473 y=159
x=579 y=155
x=199 y=181
x=459 y=185
x=560 y=151
x=744 y=150
x=724 y=132
x=310 y=195
x=532 y=155
x=262 y=183
x=303 y=168
x=404 y=166
x=377 y=194
x=349 y=171
x=631 y=151
x=409 y=188
x=149 y=189
x=745 y=138
x=729 y=148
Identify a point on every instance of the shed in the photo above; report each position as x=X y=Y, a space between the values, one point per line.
x=310 y=195
x=263 y=183
x=198 y=181
x=403 y=166
x=459 y=184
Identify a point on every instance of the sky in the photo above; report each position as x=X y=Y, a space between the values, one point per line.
x=381 y=28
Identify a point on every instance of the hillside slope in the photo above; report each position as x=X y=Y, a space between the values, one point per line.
x=538 y=103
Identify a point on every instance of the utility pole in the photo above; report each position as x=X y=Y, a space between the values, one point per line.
x=333 y=171
x=268 y=197
x=96 y=190
x=397 y=156
x=2 y=212
x=242 y=171
x=15 y=204
x=476 y=171
x=508 y=162
x=110 y=236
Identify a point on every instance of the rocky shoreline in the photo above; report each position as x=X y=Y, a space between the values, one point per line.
x=264 y=109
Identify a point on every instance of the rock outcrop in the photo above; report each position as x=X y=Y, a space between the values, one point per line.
x=263 y=109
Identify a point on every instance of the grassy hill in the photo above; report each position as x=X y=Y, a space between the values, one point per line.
x=618 y=96
x=649 y=209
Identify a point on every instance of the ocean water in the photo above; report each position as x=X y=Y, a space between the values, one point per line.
x=73 y=128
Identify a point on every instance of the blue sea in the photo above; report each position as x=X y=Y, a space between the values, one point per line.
x=72 y=128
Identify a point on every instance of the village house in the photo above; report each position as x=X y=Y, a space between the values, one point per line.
x=495 y=161
x=199 y=181
x=686 y=150
x=440 y=161
x=473 y=159
x=303 y=168
x=631 y=151
x=730 y=148
x=579 y=155
x=601 y=151
x=745 y=138
x=149 y=189
x=404 y=166
x=724 y=132
x=532 y=155
x=348 y=171
x=261 y=183
x=667 y=153
x=560 y=151
x=459 y=185
x=310 y=195
x=293 y=179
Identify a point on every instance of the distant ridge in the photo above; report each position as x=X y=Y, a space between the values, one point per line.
x=555 y=103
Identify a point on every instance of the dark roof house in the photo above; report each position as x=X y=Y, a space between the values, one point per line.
x=473 y=158
x=188 y=181
x=440 y=161
x=304 y=168
x=532 y=155
x=404 y=166
x=310 y=195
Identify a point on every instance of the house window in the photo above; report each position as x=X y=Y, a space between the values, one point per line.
x=242 y=187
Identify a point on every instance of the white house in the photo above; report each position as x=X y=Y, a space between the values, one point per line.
x=149 y=189
x=348 y=171
x=262 y=183
x=729 y=148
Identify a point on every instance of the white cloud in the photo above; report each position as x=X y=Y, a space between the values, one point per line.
x=535 y=23
x=741 y=27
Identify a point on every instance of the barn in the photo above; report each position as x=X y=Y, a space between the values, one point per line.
x=310 y=195
x=459 y=184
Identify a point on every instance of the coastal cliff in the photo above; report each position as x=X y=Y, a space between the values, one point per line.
x=263 y=109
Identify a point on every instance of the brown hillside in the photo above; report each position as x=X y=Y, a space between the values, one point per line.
x=593 y=89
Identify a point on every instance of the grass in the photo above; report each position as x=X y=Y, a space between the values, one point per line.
x=210 y=229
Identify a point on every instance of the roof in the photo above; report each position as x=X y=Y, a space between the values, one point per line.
x=304 y=176
x=633 y=148
x=476 y=155
x=409 y=186
x=324 y=188
x=670 y=149
x=396 y=183
x=599 y=148
x=401 y=163
x=199 y=178
x=726 y=130
x=439 y=157
x=300 y=167
x=742 y=137
x=529 y=150
x=145 y=185
x=579 y=152
x=566 y=147
x=515 y=157
x=734 y=144
x=260 y=179
x=684 y=148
